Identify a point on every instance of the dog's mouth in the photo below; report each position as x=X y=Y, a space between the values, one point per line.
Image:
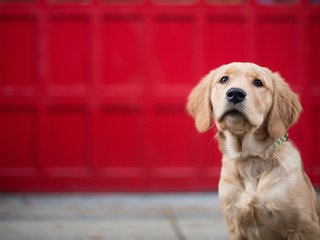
x=235 y=121
x=233 y=113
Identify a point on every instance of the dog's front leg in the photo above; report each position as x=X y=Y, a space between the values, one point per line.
x=233 y=232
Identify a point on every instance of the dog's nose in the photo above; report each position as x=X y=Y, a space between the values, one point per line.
x=235 y=95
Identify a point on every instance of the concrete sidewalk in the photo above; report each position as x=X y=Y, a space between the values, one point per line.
x=111 y=217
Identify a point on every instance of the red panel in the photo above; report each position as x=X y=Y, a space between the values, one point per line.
x=278 y=45
x=173 y=144
x=122 y=49
x=67 y=142
x=17 y=142
x=173 y=52
x=314 y=164
x=69 y=50
x=18 y=50
x=315 y=51
x=212 y=158
x=121 y=138
x=226 y=41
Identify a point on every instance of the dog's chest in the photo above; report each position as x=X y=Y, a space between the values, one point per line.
x=246 y=208
x=250 y=172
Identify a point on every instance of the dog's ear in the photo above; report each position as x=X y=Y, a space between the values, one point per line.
x=285 y=109
x=199 y=104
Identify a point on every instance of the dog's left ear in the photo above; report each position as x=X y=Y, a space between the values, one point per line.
x=285 y=109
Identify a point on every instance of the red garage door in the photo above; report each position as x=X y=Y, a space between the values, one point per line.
x=92 y=92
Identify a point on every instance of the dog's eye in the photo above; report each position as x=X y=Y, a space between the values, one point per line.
x=257 y=83
x=224 y=79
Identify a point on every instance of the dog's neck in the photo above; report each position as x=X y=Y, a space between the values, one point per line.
x=246 y=144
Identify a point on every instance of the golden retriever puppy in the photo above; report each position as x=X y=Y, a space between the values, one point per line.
x=263 y=189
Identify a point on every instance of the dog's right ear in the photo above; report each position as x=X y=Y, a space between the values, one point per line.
x=199 y=104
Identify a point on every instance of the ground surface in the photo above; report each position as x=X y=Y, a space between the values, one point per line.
x=111 y=217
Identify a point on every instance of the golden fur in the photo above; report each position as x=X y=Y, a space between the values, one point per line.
x=264 y=191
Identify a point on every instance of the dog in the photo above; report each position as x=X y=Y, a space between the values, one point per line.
x=263 y=189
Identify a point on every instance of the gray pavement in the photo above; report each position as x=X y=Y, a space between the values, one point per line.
x=111 y=217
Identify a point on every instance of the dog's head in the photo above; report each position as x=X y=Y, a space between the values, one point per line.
x=242 y=96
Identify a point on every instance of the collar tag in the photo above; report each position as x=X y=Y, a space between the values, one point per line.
x=281 y=140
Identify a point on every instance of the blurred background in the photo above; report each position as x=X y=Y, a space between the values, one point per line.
x=92 y=92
